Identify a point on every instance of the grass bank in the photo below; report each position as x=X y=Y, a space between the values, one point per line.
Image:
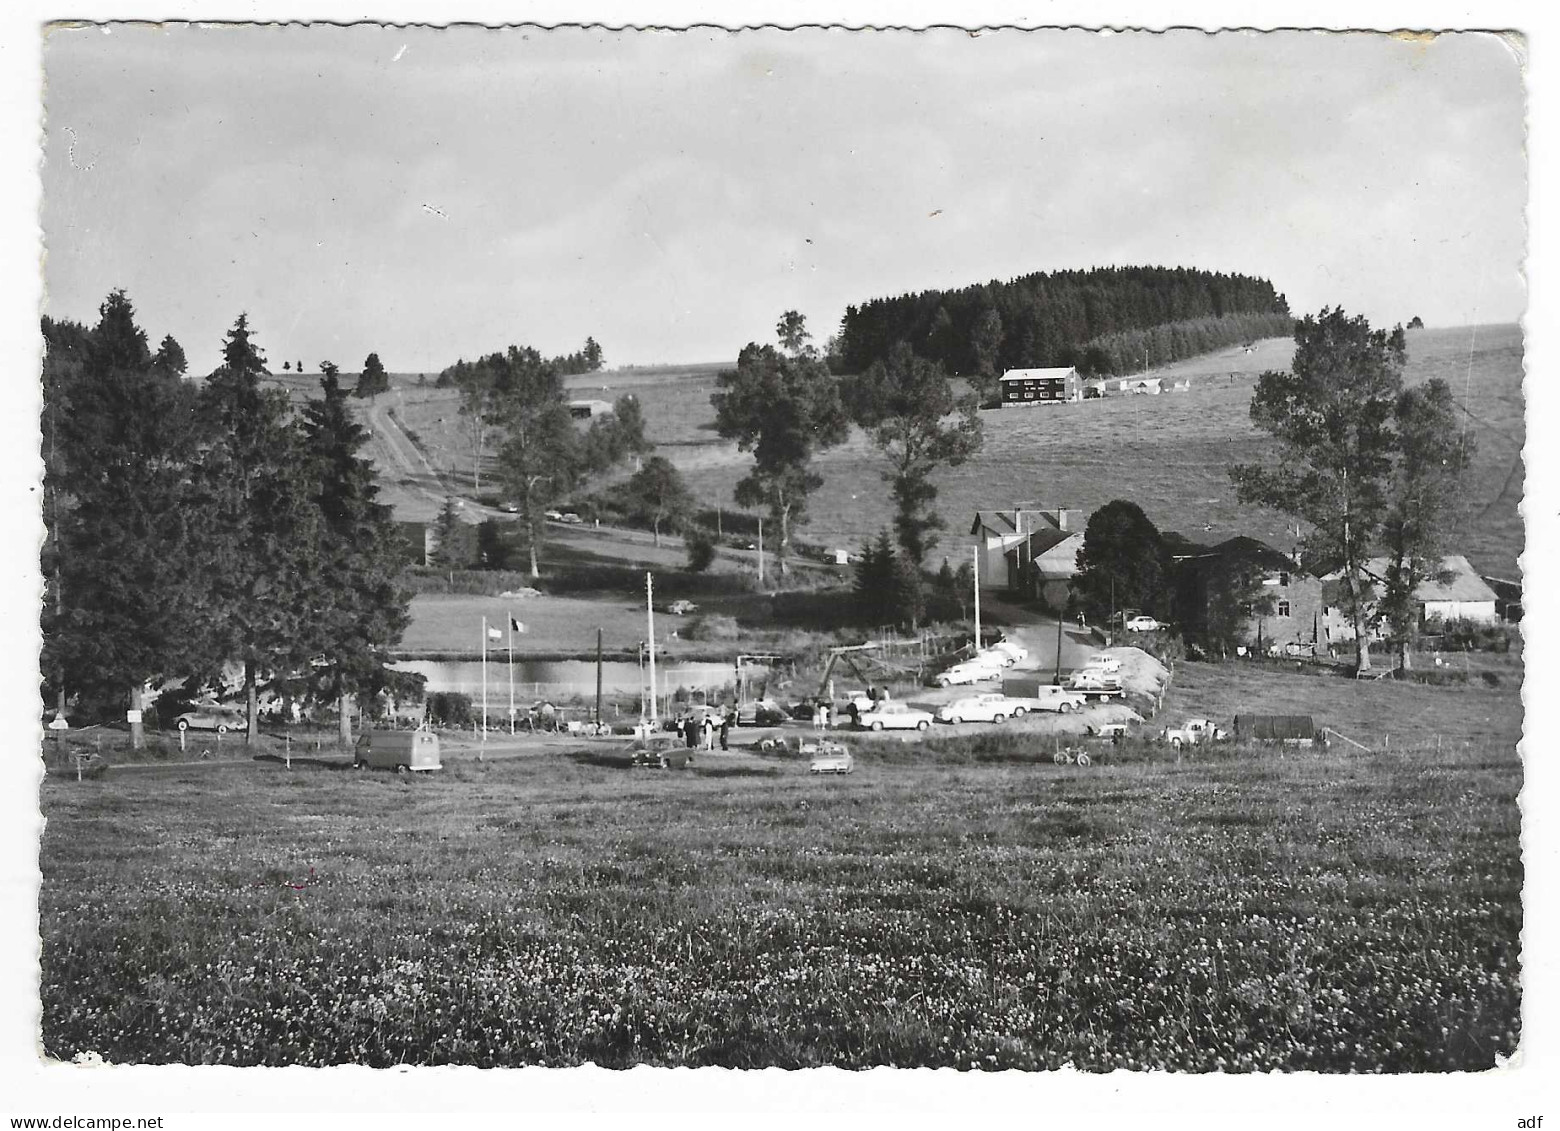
x=1310 y=911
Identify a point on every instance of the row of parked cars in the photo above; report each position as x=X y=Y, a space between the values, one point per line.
x=985 y=664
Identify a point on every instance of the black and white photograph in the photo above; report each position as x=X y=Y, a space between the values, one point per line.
x=993 y=549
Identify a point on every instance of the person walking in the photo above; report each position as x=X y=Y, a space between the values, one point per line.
x=823 y=714
x=725 y=730
x=690 y=733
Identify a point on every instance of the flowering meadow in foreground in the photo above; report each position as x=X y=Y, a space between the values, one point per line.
x=1311 y=911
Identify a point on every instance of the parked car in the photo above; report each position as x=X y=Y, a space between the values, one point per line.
x=571 y=518
x=969 y=671
x=1093 y=679
x=1100 y=662
x=681 y=607
x=1192 y=733
x=760 y=713
x=988 y=707
x=1047 y=697
x=220 y=717
x=997 y=657
x=894 y=715
x=1142 y=623
x=832 y=758
x=1010 y=648
x=556 y=516
x=1109 y=730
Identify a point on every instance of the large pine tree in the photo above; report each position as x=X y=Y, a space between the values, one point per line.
x=359 y=608
x=132 y=532
x=258 y=480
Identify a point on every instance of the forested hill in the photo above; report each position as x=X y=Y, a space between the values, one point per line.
x=1104 y=320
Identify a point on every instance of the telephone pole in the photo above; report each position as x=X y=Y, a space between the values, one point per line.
x=650 y=624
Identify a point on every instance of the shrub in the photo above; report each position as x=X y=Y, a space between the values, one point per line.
x=477 y=582
x=712 y=628
x=449 y=709
x=1470 y=636
x=701 y=551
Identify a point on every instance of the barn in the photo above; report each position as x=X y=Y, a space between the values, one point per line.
x=1023 y=388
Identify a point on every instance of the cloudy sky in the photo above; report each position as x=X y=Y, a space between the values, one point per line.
x=433 y=194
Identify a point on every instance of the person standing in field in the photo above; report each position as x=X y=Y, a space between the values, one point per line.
x=709 y=732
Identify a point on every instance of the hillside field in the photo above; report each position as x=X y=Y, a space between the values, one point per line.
x=1167 y=453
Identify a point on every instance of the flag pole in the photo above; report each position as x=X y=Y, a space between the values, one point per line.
x=511 y=673
x=484 y=679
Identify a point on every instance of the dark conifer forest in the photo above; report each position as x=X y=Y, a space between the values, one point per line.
x=1104 y=320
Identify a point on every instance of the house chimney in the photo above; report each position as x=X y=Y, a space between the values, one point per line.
x=1061 y=518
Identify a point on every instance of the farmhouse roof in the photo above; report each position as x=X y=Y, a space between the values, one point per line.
x=1242 y=547
x=1460 y=584
x=1041 y=541
x=1038 y=374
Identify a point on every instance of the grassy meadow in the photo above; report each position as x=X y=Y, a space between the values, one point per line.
x=1239 y=912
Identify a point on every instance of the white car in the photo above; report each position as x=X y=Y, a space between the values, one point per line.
x=1048 y=697
x=681 y=607
x=1010 y=648
x=1193 y=732
x=990 y=707
x=1103 y=663
x=556 y=516
x=1093 y=679
x=571 y=518
x=894 y=716
x=832 y=758
x=1142 y=623
x=997 y=657
x=970 y=671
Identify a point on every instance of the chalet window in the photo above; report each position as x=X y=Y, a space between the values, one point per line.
x=1283 y=579
x=1283 y=608
x=1245 y=608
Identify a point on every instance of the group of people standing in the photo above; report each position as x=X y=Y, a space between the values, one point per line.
x=697 y=731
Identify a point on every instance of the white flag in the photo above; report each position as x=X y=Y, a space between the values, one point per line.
x=495 y=634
